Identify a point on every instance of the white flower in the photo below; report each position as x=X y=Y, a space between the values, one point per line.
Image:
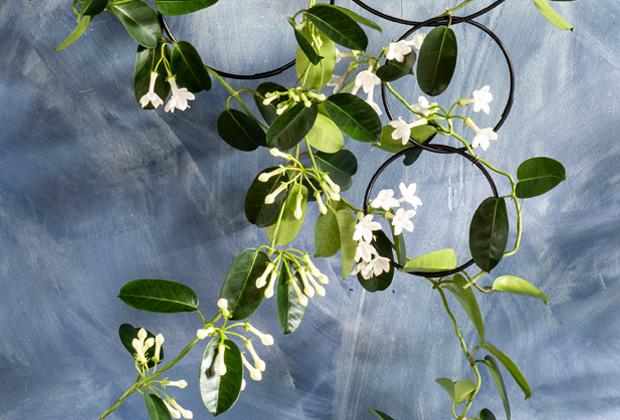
x=180 y=97
x=367 y=80
x=219 y=366
x=373 y=268
x=255 y=374
x=319 y=202
x=417 y=40
x=370 y=101
x=265 y=339
x=337 y=82
x=423 y=106
x=483 y=138
x=408 y=195
x=271 y=198
x=174 y=413
x=223 y=305
x=141 y=345
x=385 y=200
x=340 y=55
x=151 y=96
x=402 y=129
x=364 y=228
x=185 y=413
x=266 y=176
x=181 y=383
x=258 y=362
x=401 y=221
x=364 y=251
x=482 y=98
x=159 y=340
x=397 y=51
x=204 y=332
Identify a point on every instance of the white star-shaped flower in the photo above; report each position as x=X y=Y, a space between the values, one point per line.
x=397 y=51
x=424 y=107
x=483 y=138
x=482 y=98
x=402 y=221
x=380 y=265
x=417 y=40
x=367 y=80
x=402 y=129
x=364 y=228
x=364 y=251
x=337 y=82
x=180 y=97
x=385 y=200
x=408 y=194
x=151 y=96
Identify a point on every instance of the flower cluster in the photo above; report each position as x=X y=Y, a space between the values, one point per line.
x=179 y=98
x=292 y=97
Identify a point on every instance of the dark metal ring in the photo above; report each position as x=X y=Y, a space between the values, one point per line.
x=435 y=148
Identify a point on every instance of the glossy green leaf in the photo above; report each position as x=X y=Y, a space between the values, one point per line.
x=306 y=47
x=435 y=261
x=163 y=296
x=268 y=112
x=437 y=60
x=393 y=70
x=539 y=175
x=340 y=166
x=510 y=367
x=290 y=225
x=486 y=414
x=93 y=7
x=346 y=227
x=240 y=130
x=491 y=364
x=256 y=210
x=182 y=7
x=325 y=135
x=239 y=286
x=326 y=235
x=519 y=286
x=467 y=299
x=354 y=116
x=419 y=134
x=290 y=311
x=383 y=280
x=156 y=408
x=146 y=60
x=488 y=233
x=400 y=247
x=291 y=127
x=380 y=414
x=219 y=393
x=358 y=18
x=140 y=20
x=338 y=26
x=76 y=34
x=127 y=332
x=551 y=15
x=423 y=134
x=188 y=67
x=458 y=391
x=316 y=76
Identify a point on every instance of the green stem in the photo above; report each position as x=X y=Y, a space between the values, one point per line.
x=118 y=403
x=233 y=92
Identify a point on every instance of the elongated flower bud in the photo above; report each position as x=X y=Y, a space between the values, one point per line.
x=255 y=374
x=262 y=280
x=243 y=384
x=265 y=176
x=303 y=300
x=271 y=286
x=319 y=201
x=219 y=366
x=266 y=339
x=187 y=414
x=270 y=198
x=275 y=152
x=298 y=210
x=181 y=383
x=269 y=98
x=223 y=305
x=159 y=340
x=335 y=187
x=174 y=413
x=138 y=346
x=142 y=334
x=204 y=332
x=258 y=362
x=320 y=290
x=308 y=290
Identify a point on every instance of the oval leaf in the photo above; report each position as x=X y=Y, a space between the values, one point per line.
x=291 y=127
x=240 y=130
x=491 y=364
x=435 y=261
x=383 y=280
x=340 y=166
x=188 y=67
x=326 y=235
x=140 y=21
x=306 y=47
x=239 y=286
x=290 y=311
x=325 y=135
x=127 y=332
x=146 y=60
x=510 y=367
x=156 y=408
x=256 y=211
x=488 y=233
x=437 y=60
x=219 y=393
x=393 y=70
x=538 y=175
x=346 y=227
x=289 y=225
x=182 y=7
x=467 y=299
x=354 y=116
x=338 y=26
x=316 y=76
x=486 y=414
x=159 y=296
x=519 y=286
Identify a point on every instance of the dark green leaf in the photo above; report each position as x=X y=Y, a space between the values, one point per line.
x=491 y=364
x=467 y=299
x=551 y=15
x=219 y=393
x=156 y=408
x=181 y=7
x=346 y=227
x=188 y=67
x=400 y=248
x=291 y=127
x=488 y=233
x=256 y=211
x=127 y=332
x=510 y=367
x=290 y=310
x=435 y=261
x=316 y=76
x=383 y=280
x=146 y=60
x=325 y=135
x=140 y=21
x=393 y=70
x=517 y=285
x=380 y=414
x=267 y=111
x=354 y=116
x=437 y=60
x=338 y=26
x=486 y=414
x=538 y=175
x=93 y=7
x=340 y=166
x=163 y=296
x=240 y=130
x=290 y=225
x=307 y=47
x=75 y=34
x=239 y=286
x=326 y=235
x=359 y=19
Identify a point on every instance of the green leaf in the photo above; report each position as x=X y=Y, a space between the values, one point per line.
x=338 y=26
x=488 y=233
x=519 y=286
x=188 y=67
x=325 y=135
x=486 y=414
x=146 y=60
x=346 y=227
x=182 y=7
x=76 y=34
x=437 y=60
x=538 y=175
x=219 y=393
x=290 y=311
x=306 y=47
x=239 y=286
x=551 y=15
x=156 y=408
x=289 y=225
x=491 y=364
x=358 y=18
x=467 y=299
x=383 y=280
x=316 y=76
x=291 y=127
x=510 y=367
x=435 y=261
x=380 y=414
x=127 y=332
x=393 y=70
x=326 y=235
x=93 y=7
x=240 y=130
x=423 y=134
x=140 y=21
x=268 y=112
x=354 y=116
x=162 y=296
x=400 y=248
x=256 y=210
x=340 y=166
x=458 y=391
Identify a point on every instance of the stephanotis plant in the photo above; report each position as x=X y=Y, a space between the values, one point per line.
x=305 y=129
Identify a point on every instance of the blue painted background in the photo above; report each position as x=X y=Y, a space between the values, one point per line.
x=95 y=192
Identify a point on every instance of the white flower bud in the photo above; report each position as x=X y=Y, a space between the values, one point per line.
x=271 y=286
x=262 y=280
x=319 y=201
x=303 y=300
x=258 y=362
x=269 y=98
x=138 y=346
x=320 y=290
x=185 y=413
x=204 y=332
x=335 y=187
x=298 y=210
x=255 y=374
x=243 y=384
x=275 y=152
x=266 y=339
x=265 y=176
x=142 y=334
x=270 y=198
x=283 y=106
x=307 y=102
x=223 y=305
x=159 y=340
x=181 y=383
x=323 y=278
x=308 y=290
x=174 y=413
x=219 y=366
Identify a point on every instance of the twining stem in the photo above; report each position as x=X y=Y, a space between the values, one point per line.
x=118 y=403
x=233 y=92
